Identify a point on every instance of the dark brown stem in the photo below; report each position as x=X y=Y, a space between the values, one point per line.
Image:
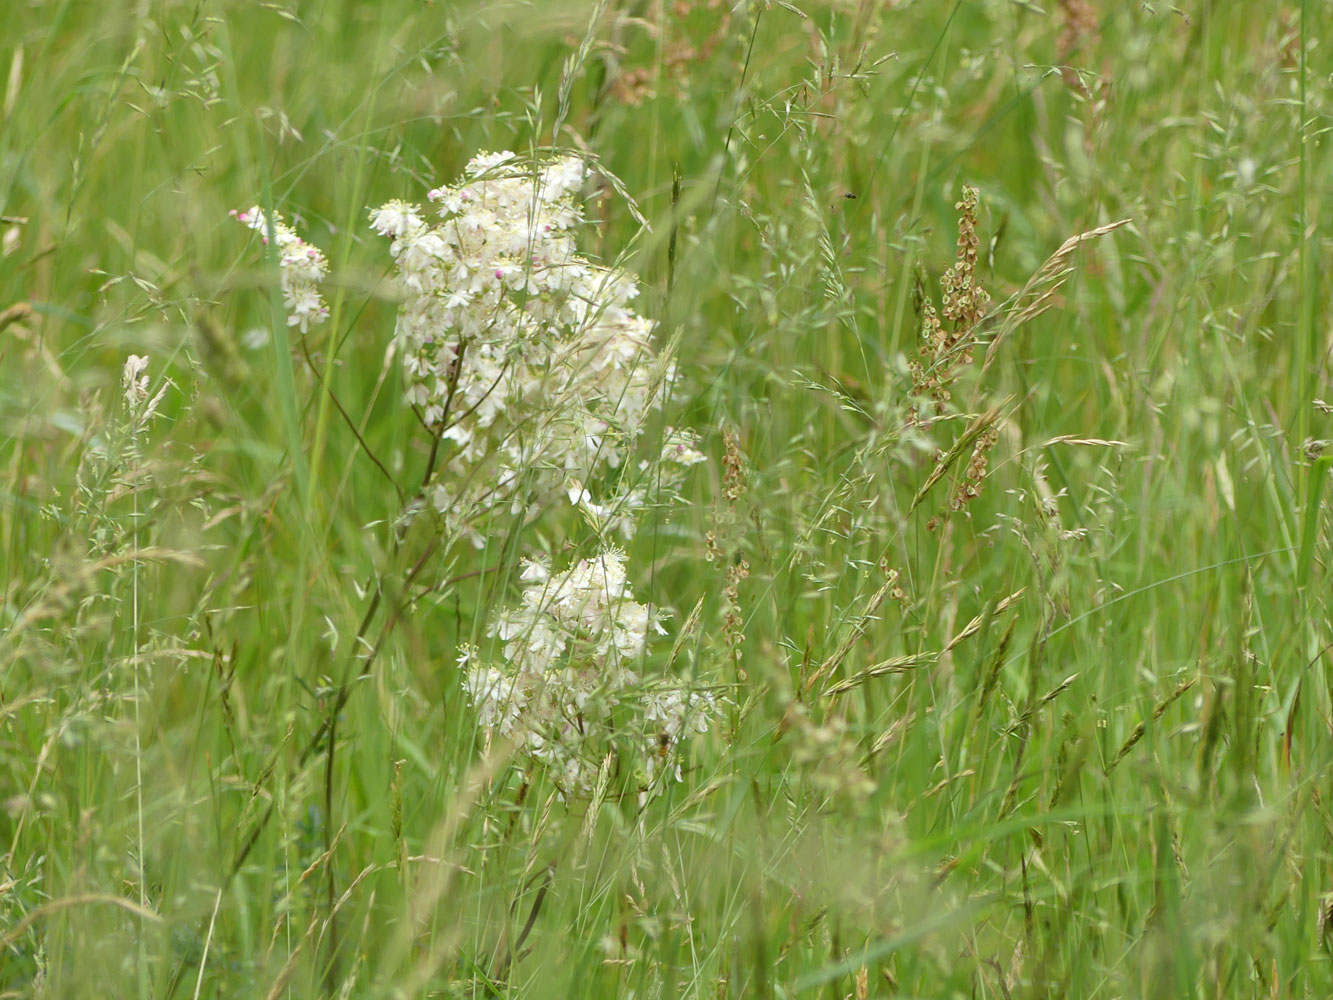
x=510 y=953
x=351 y=424
x=455 y=372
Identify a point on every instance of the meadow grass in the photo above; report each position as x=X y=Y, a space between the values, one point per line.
x=1071 y=739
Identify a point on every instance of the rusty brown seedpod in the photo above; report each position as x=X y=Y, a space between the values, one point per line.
x=732 y=622
x=734 y=470
x=965 y=301
x=947 y=335
x=975 y=476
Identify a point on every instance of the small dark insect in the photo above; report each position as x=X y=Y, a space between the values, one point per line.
x=663 y=744
x=850 y=195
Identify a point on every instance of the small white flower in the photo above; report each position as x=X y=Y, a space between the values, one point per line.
x=302 y=267
x=395 y=219
x=483 y=162
x=534 y=570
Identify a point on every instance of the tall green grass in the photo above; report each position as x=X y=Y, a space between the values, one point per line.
x=1115 y=784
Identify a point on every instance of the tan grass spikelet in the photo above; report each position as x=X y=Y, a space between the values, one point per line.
x=1034 y=298
x=948 y=335
x=1041 y=703
x=1142 y=727
x=893 y=665
x=66 y=902
x=856 y=631
x=1088 y=442
x=16 y=312
x=974 y=626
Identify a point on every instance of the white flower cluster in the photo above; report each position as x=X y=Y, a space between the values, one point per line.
x=302 y=265
x=522 y=353
x=570 y=654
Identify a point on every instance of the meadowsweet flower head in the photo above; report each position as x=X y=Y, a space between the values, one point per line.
x=524 y=355
x=396 y=219
x=571 y=653
x=302 y=266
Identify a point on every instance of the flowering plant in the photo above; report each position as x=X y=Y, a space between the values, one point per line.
x=527 y=363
